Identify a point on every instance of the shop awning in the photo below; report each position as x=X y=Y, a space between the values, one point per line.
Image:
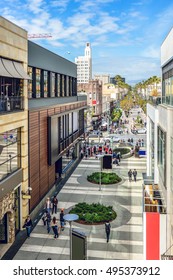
x=3 y=71
x=21 y=70
x=12 y=69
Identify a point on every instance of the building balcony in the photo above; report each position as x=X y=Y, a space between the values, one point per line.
x=11 y=104
x=155 y=100
x=153 y=200
x=168 y=99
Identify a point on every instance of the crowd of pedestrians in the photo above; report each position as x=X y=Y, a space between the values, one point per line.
x=52 y=222
x=49 y=218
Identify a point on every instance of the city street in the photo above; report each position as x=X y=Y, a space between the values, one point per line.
x=125 y=136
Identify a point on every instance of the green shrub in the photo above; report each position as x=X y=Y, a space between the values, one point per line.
x=93 y=213
x=123 y=151
x=106 y=178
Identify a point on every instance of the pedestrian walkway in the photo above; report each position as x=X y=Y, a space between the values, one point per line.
x=126 y=238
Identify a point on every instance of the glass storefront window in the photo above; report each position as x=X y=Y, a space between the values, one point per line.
x=17 y=209
x=171 y=164
x=167 y=95
x=161 y=154
x=10 y=145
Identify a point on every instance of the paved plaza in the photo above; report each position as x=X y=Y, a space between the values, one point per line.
x=126 y=238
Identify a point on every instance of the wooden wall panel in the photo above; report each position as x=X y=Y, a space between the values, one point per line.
x=51 y=111
x=57 y=110
x=41 y=175
x=34 y=162
x=44 y=176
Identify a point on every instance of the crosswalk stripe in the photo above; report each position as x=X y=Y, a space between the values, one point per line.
x=103 y=193
x=90 y=253
x=89 y=239
x=105 y=188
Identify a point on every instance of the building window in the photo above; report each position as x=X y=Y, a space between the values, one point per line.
x=10 y=144
x=45 y=89
x=38 y=80
x=67 y=85
x=53 y=85
x=167 y=85
x=58 y=85
x=30 y=90
x=162 y=154
x=62 y=85
x=171 y=164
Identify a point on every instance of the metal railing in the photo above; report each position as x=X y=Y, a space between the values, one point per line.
x=11 y=103
x=167 y=255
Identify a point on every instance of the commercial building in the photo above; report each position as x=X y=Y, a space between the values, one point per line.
x=41 y=121
x=93 y=91
x=104 y=78
x=13 y=129
x=84 y=66
x=56 y=119
x=160 y=151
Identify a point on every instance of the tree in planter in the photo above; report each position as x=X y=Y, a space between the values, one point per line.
x=106 y=178
x=93 y=213
x=116 y=114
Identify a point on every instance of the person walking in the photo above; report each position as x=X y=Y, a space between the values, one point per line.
x=55 y=227
x=61 y=218
x=81 y=154
x=28 y=225
x=134 y=174
x=130 y=175
x=54 y=204
x=48 y=205
x=44 y=218
x=107 y=230
x=119 y=156
x=48 y=221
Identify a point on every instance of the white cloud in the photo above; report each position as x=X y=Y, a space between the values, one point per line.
x=61 y=4
x=151 y=51
x=132 y=68
x=35 y=6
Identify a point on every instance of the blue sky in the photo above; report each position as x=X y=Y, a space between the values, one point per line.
x=125 y=35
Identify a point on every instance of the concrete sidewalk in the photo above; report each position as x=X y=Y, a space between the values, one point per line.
x=126 y=239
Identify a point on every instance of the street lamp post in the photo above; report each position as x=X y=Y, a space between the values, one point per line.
x=70 y=218
x=100 y=177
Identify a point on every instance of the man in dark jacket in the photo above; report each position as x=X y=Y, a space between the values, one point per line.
x=134 y=174
x=28 y=225
x=130 y=175
x=107 y=230
x=54 y=204
x=61 y=218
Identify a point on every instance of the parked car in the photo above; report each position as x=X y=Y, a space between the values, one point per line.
x=142 y=130
x=134 y=131
x=95 y=134
x=110 y=138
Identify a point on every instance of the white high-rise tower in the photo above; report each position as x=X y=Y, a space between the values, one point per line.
x=84 y=66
